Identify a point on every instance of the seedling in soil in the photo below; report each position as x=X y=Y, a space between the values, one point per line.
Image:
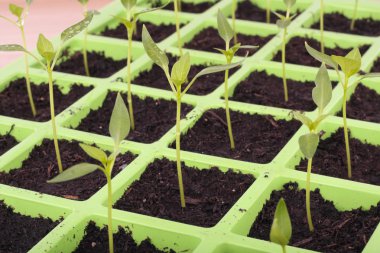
x=119 y=128
x=283 y=23
x=352 y=26
x=281 y=229
x=226 y=33
x=177 y=79
x=21 y=15
x=130 y=24
x=308 y=143
x=84 y=48
x=350 y=65
x=50 y=56
x=321 y=25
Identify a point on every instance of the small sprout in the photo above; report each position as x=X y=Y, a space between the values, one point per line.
x=352 y=25
x=350 y=66
x=234 y=9
x=321 y=24
x=308 y=143
x=119 y=128
x=177 y=9
x=281 y=229
x=268 y=9
x=178 y=78
x=283 y=22
x=84 y=4
x=227 y=33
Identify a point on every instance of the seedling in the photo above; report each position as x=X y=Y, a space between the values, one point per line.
x=226 y=33
x=177 y=9
x=177 y=79
x=283 y=23
x=350 y=65
x=119 y=128
x=234 y=8
x=321 y=25
x=50 y=56
x=308 y=143
x=352 y=26
x=84 y=48
x=21 y=15
x=268 y=10
x=130 y=24
x=281 y=229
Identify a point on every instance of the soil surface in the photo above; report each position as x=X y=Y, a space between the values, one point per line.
x=99 y=65
x=204 y=85
x=376 y=66
x=153 y=118
x=190 y=7
x=20 y=233
x=335 y=231
x=258 y=138
x=209 y=39
x=14 y=101
x=250 y=11
x=259 y=86
x=41 y=166
x=337 y=22
x=96 y=240
x=296 y=52
x=7 y=141
x=209 y=193
x=158 y=32
x=362 y=105
x=330 y=159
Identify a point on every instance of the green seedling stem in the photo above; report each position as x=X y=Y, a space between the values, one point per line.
x=84 y=49
x=321 y=25
x=177 y=25
x=353 y=20
x=283 y=52
x=234 y=9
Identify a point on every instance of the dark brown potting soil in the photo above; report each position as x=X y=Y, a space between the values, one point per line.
x=99 y=65
x=376 y=66
x=209 y=193
x=7 y=141
x=42 y=166
x=190 y=7
x=259 y=88
x=337 y=22
x=204 y=85
x=335 y=231
x=14 y=101
x=96 y=240
x=362 y=105
x=296 y=52
x=153 y=118
x=158 y=32
x=209 y=39
x=330 y=159
x=258 y=138
x=19 y=233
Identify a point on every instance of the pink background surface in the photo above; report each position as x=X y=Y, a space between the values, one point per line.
x=49 y=17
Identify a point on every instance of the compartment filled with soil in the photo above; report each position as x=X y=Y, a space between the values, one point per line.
x=376 y=66
x=330 y=159
x=296 y=52
x=258 y=138
x=42 y=166
x=96 y=240
x=19 y=233
x=7 y=141
x=209 y=193
x=335 y=231
x=190 y=7
x=14 y=101
x=153 y=118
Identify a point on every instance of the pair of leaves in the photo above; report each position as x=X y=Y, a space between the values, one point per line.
x=16 y=10
x=281 y=229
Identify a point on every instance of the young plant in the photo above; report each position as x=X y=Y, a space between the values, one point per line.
x=352 y=26
x=130 y=24
x=283 y=22
x=84 y=48
x=177 y=9
x=21 y=15
x=308 y=143
x=321 y=25
x=234 y=8
x=119 y=128
x=268 y=10
x=226 y=33
x=350 y=66
x=281 y=229
x=50 y=56
x=177 y=79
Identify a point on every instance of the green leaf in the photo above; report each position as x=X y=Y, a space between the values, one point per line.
x=83 y=2
x=181 y=70
x=151 y=9
x=12 y=48
x=95 y=153
x=289 y=3
x=302 y=118
x=128 y=4
x=349 y=66
x=74 y=172
x=370 y=75
x=215 y=69
x=45 y=48
x=322 y=93
x=16 y=10
x=283 y=23
x=154 y=52
x=319 y=120
x=280 y=16
x=308 y=144
x=224 y=28
x=78 y=27
x=320 y=56
x=281 y=230
x=120 y=124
